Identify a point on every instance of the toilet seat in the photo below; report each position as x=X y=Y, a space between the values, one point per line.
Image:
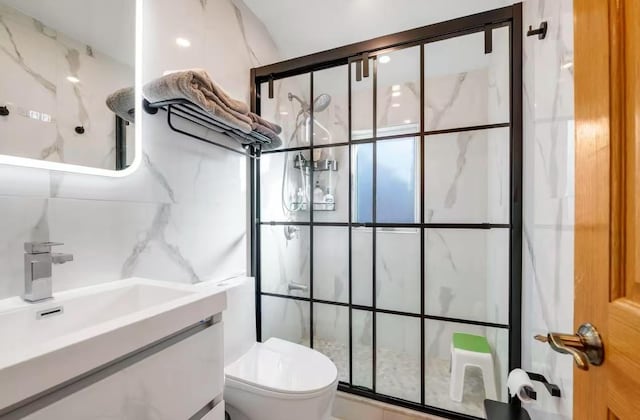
x=284 y=370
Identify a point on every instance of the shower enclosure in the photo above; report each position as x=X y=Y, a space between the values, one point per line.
x=390 y=218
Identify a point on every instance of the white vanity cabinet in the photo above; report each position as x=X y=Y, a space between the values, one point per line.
x=135 y=349
x=174 y=384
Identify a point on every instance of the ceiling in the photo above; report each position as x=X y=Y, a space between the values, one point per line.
x=301 y=27
x=107 y=26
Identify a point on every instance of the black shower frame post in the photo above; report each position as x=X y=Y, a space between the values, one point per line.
x=517 y=158
x=354 y=54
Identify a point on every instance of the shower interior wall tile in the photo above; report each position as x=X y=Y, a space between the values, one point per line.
x=549 y=199
x=398 y=269
x=466 y=274
x=287 y=112
x=181 y=216
x=331 y=263
x=286 y=319
x=285 y=259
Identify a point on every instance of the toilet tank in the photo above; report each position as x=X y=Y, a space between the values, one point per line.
x=239 y=319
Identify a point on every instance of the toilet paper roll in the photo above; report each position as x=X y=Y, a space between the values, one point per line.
x=517 y=382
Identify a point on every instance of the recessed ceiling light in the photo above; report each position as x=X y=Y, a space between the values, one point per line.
x=183 y=42
x=395 y=88
x=284 y=113
x=73 y=79
x=384 y=59
x=396 y=93
x=395 y=105
x=407 y=121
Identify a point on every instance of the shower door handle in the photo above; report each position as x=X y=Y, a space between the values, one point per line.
x=585 y=346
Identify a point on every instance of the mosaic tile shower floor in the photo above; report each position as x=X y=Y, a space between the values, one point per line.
x=397 y=377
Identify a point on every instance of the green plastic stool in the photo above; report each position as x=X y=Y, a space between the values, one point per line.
x=471 y=350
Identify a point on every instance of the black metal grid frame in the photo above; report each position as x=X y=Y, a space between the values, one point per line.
x=355 y=53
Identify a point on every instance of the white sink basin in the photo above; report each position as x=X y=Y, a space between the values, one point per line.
x=47 y=343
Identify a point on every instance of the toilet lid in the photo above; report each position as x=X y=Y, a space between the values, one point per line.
x=284 y=367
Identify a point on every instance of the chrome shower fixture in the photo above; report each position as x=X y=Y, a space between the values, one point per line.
x=321 y=103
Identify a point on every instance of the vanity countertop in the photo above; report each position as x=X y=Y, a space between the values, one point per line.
x=48 y=343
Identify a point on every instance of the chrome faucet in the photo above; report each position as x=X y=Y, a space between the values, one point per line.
x=38 y=260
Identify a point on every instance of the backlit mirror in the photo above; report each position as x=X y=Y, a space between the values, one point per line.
x=67 y=96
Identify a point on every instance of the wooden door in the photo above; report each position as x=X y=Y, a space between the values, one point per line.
x=607 y=240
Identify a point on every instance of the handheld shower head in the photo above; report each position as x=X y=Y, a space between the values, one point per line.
x=319 y=104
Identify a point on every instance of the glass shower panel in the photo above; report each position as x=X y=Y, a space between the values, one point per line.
x=398 y=269
x=331 y=263
x=438 y=340
x=331 y=184
x=362 y=183
x=362 y=339
x=331 y=109
x=465 y=87
x=361 y=103
x=467 y=274
x=467 y=177
x=287 y=319
x=398 y=92
x=285 y=187
x=398 y=356
x=331 y=335
x=285 y=260
x=289 y=108
x=408 y=175
x=362 y=266
x=397 y=181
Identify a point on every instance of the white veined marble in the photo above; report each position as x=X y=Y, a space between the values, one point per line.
x=181 y=216
x=549 y=199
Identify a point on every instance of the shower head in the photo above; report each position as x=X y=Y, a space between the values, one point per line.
x=319 y=104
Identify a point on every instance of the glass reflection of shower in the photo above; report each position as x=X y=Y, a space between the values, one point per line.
x=299 y=199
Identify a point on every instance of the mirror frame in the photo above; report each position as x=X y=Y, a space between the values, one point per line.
x=87 y=170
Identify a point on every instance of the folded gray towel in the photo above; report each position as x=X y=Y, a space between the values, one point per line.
x=258 y=120
x=197 y=87
x=275 y=139
x=268 y=129
x=123 y=103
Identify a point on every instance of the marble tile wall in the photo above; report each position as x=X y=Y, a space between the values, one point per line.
x=181 y=216
x=548 y=199
x=36 y=61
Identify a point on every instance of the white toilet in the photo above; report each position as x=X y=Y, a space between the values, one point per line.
x=274 y=380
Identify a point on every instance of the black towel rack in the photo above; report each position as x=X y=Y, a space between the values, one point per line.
x=188 y=111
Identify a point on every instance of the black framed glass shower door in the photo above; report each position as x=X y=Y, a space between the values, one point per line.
x=391 y=217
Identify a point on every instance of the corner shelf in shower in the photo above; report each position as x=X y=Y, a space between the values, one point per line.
x=316 y=165
x=191 y=112
x=316 y=206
